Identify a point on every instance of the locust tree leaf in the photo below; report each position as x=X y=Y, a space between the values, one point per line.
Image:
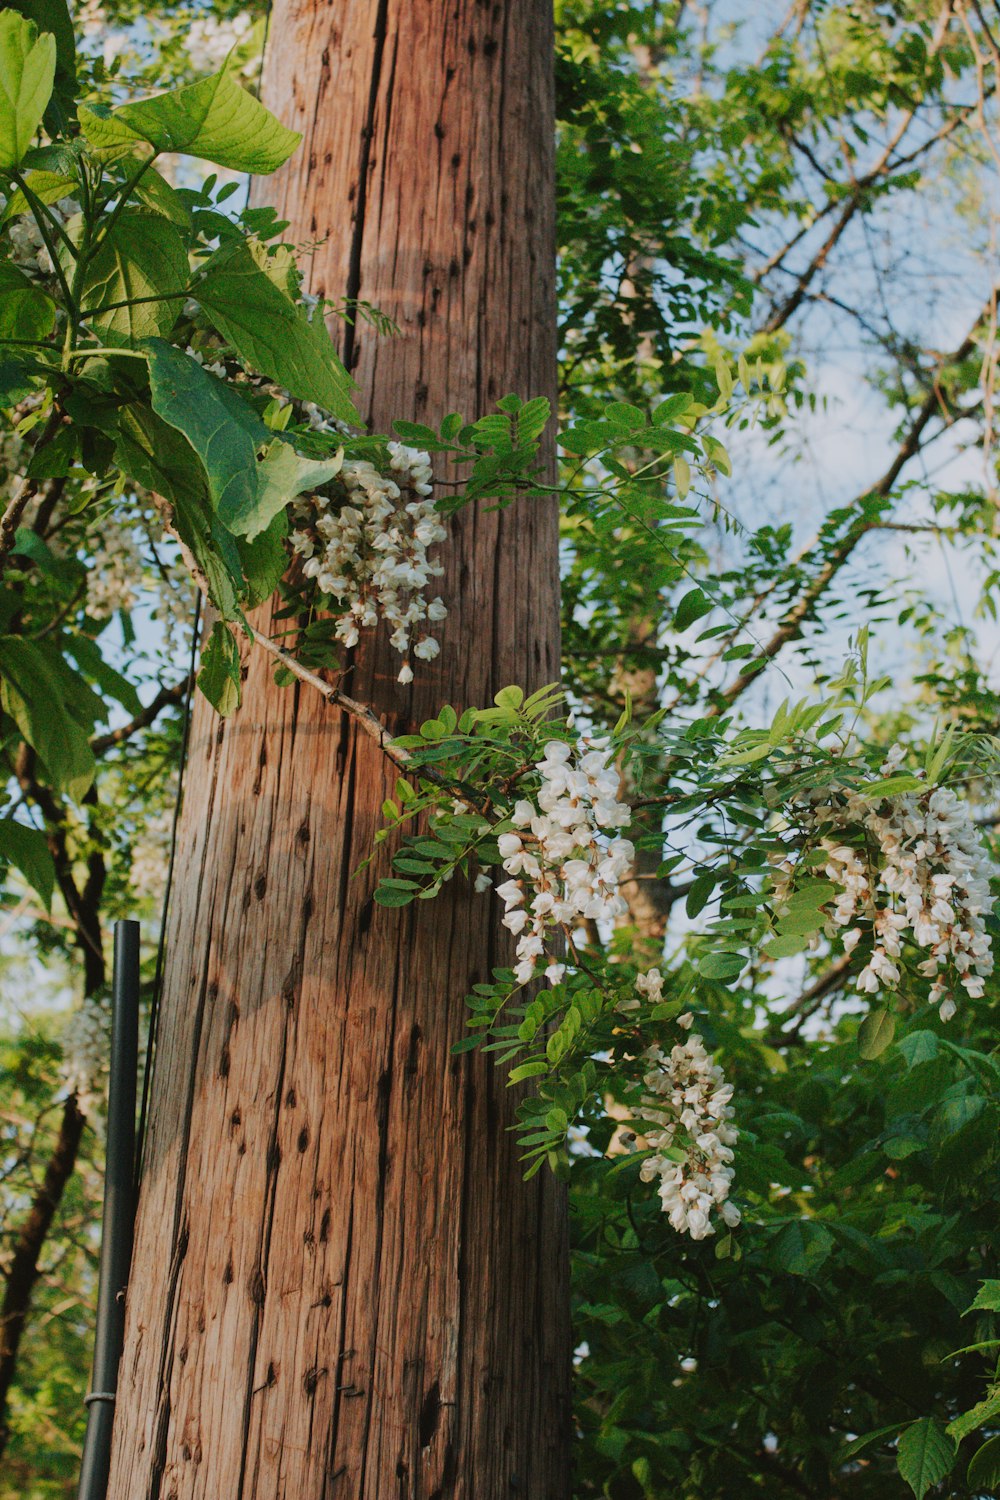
x=214 y=119
x=801 y=1248
x=27 y=73
x=875 y=1034
x=271 y=333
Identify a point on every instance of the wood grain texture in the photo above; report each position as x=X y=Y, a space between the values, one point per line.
x=342 y=1288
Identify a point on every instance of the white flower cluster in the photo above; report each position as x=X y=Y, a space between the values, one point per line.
x=86 y=1044
x=150 y=855
x=119 y=576
x=367 y=547
x=922 y=872
x=687 y=1092
x=115 y=576
x=27 y=247
x=209 y=40
x=564 y=865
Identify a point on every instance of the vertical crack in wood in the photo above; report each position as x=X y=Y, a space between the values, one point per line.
x=364 y=157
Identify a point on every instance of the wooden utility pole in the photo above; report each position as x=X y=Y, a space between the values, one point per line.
x=341 y=1285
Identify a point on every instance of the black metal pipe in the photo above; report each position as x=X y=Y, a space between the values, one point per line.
x=118 y=1219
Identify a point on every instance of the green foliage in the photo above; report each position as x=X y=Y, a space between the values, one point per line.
x=219 y=677
x=214 y=119
x=271 y=335
x=27 y=71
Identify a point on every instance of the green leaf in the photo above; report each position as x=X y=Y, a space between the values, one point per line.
x=746 y=757
x=892 y=786
x=159 y=458
x=27 y=850
x=38 y=691
x=142 y=256
x=396 y=892
x=87 y=655
x=214 y=119
x=272 y=334
x=26 y=311
x=527 y=1070
x=47 y=187
x=219 y=675
x=281 y=475
x=984 y=1411
x=867 y=1440
x=918 y=1047
x=786 y=946
x=722 y=965
x=216 y=423
x=27 y=73
x=984 y=1467
x=700 y=893
x=53 y=16
x=692 y=607
x=801 y=1248
x=925 y=1455
x=264 y=560
x=154 y=192
x=987 y=1298
x=875 y=1034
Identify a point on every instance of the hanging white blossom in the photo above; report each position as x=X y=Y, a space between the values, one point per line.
x=150 y=855
x=687 y=1093
x=86 y=1044
x=366 y=545
x=563 y=864
x=921 y=873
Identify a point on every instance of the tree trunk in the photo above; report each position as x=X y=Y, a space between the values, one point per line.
x=341 y=1286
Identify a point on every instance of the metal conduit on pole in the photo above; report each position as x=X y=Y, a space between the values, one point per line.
x=117 y=1222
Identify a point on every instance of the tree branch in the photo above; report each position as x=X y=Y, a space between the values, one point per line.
x=148 y=715
x=791 y=626
x=22 y=1268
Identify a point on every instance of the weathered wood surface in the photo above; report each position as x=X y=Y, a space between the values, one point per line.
x=342 y=1288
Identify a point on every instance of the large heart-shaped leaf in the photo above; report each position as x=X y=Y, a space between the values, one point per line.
x=214 y=119
x=141 y=260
